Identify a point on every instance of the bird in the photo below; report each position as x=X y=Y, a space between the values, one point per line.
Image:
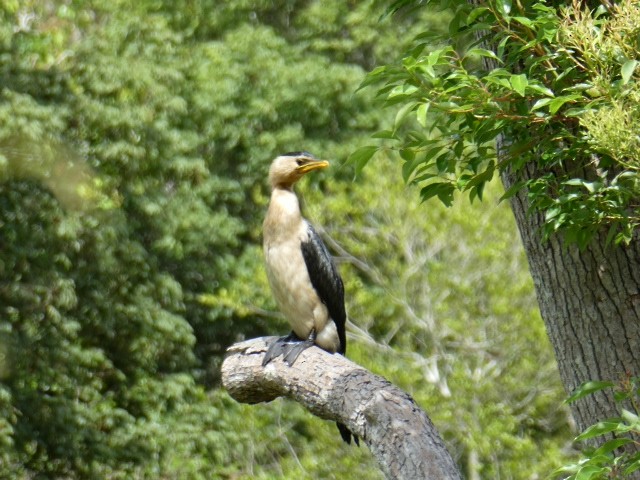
x=302 y=275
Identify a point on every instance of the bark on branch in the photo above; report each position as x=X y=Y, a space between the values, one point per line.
x=397 y=431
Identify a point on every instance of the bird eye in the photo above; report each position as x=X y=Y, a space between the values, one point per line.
x=299 y=161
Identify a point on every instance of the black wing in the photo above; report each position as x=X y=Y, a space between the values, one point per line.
x=326 y=281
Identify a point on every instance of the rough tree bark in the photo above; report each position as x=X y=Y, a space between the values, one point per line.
x=590 y=303
x=398 y=433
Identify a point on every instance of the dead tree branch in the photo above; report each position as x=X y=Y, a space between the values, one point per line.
x=398 y=432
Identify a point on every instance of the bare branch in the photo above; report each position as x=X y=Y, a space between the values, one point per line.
x=398 y=432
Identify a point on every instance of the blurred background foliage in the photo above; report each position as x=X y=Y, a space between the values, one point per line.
x=135 y=139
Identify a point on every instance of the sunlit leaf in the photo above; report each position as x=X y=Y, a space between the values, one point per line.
x=536 y=88
x=598 y=429
x=505 y=7
x=361 y=157
x=589 y=472
x=627 y=70
x=543 y=102
x=588 y=388
x=483 y=52
x=557 y=103
x=421 y=114
x=519 y=83
x=631 y=418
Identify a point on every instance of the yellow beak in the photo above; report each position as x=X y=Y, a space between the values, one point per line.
x=312 y=165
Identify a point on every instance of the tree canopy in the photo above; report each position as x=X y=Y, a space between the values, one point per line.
x=564 y=94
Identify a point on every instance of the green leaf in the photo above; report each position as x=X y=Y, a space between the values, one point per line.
x=611 y=445
x=574 y=182
x=402 y=91
x=409 y=166
x=421 y=114
x=611 y=235
x=482 y=177
x=527 y=22
x=552 y=213
x=402 y=113
x=483 y=52
x=627 y=70
x=543 y=102
x=442 y=161
x=407 y=154
x=475 y=14
x=372 y=77
x=385 y=134
x=519 y=83
x=598 y=429
x=557 y=103
x=632 y=468
x=540 y=89
x=588 y=388
x=443 y=190
x=630 y=417
x=505 y=7
x=501 y=46
x=589 y=472
x=571 y=468
x=512 y=190
x=438 y=56
x=362 y=156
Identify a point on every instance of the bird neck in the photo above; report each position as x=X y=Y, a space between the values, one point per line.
x=283 y=216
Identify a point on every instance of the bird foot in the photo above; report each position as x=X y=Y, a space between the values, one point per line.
x=289 y=347
x=347 y=435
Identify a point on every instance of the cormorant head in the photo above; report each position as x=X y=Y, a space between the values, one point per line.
x=288 y=168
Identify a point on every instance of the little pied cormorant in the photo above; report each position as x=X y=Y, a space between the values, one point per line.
x=302 y=275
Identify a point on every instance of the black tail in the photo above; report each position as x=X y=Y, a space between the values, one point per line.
x=346 y=434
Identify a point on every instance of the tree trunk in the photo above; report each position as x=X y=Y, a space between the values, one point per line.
x=590 y=303
x=399 y=434
x=589 y=300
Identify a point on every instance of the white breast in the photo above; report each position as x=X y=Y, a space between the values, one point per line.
x=284 y=231
x=292 y=287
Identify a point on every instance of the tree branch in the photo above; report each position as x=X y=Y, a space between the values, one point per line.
x=398 y=432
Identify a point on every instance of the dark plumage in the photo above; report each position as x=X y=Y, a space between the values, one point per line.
x=326 y=281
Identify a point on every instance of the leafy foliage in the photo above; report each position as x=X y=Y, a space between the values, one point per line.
x=563 y=82
x=609 y=460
